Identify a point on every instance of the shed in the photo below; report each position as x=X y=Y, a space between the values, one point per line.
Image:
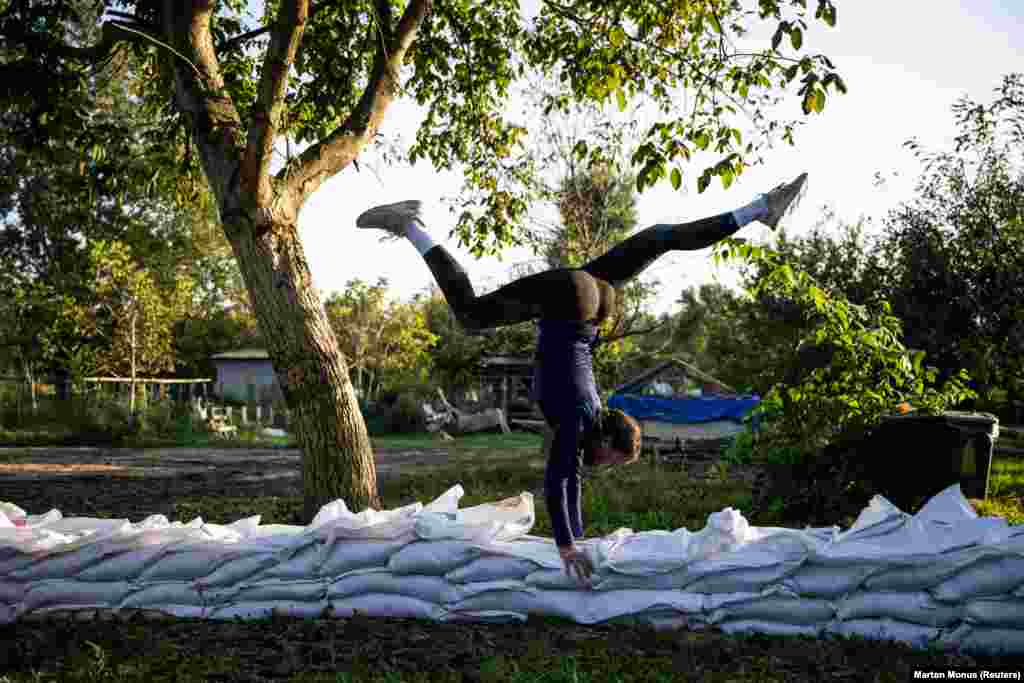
x=246 y=375
x=509 y=379
x=675 y=399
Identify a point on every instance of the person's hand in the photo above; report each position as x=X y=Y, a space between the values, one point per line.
x=576 y=561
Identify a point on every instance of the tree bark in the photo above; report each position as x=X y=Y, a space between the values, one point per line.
x=325 y=418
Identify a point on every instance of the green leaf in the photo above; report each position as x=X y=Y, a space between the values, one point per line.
x=617 y=37
x=677 y=178
x=796 y=37
x=726 y=174
x=703 y=181
x=620 y=96
x=777 y=38
x=819 y=100
x=702 y=140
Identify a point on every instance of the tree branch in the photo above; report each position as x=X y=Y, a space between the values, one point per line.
x=327 y=157
x=266 y=116
x=631 y=333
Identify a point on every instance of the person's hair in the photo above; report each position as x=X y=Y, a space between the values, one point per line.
x=616 y=430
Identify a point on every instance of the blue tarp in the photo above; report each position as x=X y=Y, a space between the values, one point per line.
x=684 y=411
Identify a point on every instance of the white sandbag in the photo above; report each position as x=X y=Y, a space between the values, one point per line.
x=433 y=589
x=975 y=640
x=771 y=628
x=743 y=580
x=480 y=617
x=127 y=565
x=347 y=555
x=265 y=610
x=503 y=520
x=387 y=605
x=914 y=635
x=433 y=558
x=581 y=606
x=777 y=609
x=554 y=578
x=236 y=570
x=12 y=591
x=272 y=591
x=916 y=608
x=922 y=576
x=186 y=564
x=16 y=562
x=829 y=582
x=674 y=580
x=988 y=576
x=335 y=521
x=60 y=565
x=663 y=620
x=492 y=568
x=304 y=564
x=1002 y=611
x=162 y=594
x=74 y=594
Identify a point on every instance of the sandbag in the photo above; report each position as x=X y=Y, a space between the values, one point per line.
x=274 y=591
x=67 y=564
x=480 y=617
x=828 y=582
x=916 y=608
x=237 y=570
x=1003 y=611
x=128 y=565
x=433 y=589
x=777 y=609
x=12 y=591
x=740 y=580
x=159 y=595
x=988 y=576
x=552 y=578
x=304 y=564
x=347 y=555
x=503 y=520
x=771 y=628
x=915 y=635
x=265 y=610
x=185 y=565
x=387 y=605
x=492 y=568
x=68 y=593
x=925 y=575
x=433 y=558
x=970 y=639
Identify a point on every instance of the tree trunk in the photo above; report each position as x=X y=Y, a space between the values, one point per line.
x=324 y=416
x=131 y=399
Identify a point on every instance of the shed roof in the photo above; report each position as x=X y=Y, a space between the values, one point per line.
x=671 y=364
x=242 y=354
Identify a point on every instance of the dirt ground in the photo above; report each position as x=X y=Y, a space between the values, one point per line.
x=141 y=482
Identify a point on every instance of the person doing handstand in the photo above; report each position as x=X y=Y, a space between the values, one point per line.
x=570 y=304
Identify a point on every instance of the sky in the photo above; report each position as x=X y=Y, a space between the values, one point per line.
x=905 y=64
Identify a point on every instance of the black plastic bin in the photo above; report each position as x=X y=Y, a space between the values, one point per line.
x=913 y=456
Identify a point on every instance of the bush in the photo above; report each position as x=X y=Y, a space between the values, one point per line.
x=849 y=369
x=407 y=415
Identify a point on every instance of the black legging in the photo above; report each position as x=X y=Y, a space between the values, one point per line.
x=578 y=294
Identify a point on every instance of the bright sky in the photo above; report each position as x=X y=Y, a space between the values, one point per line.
x=904 y=62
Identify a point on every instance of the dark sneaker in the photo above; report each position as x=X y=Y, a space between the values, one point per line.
x=393 y=218
x=783 y=198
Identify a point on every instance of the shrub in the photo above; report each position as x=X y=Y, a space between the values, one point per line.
x=860 y=371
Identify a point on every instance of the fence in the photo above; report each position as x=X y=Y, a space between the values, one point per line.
x=242 y=415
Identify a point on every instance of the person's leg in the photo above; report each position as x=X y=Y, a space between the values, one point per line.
x=564 y=294
x=632 y=256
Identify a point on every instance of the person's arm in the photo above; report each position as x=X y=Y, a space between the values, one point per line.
x=563 y=505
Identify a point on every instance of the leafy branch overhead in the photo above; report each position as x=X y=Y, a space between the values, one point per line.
x=324 y=76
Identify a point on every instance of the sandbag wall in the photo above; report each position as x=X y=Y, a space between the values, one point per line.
x=954 y=582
